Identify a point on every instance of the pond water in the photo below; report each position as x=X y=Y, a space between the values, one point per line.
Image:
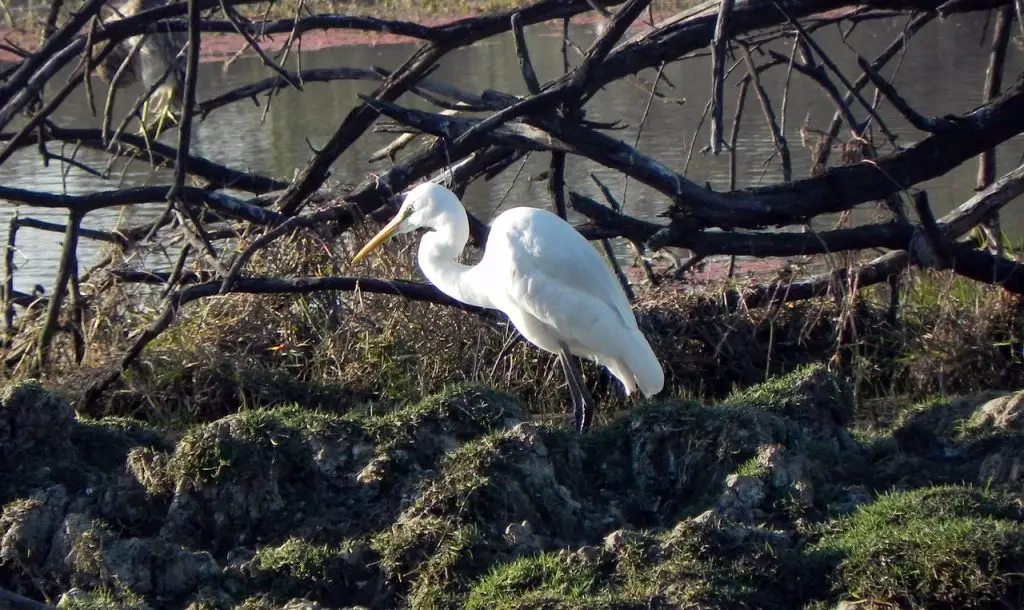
x=942 y=72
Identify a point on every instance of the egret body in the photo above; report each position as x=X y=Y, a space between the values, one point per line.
x=541 y=273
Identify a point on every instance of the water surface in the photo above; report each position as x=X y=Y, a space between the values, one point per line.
x=942 y=72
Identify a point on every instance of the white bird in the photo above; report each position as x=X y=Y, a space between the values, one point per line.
x=541 y=273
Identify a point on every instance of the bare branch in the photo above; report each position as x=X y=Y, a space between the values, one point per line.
x=718 y=48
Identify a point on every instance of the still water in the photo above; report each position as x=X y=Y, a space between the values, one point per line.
x=942 y=72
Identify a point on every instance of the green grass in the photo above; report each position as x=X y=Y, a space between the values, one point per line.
x=944 y=546
x=548 y=579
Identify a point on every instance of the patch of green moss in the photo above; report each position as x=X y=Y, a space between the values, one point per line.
x=247 y=443
x=695 y=566
x=498 y=479
x=549 y=580
x=435 y=557
x=462 y=411
x=931 y=424
x=300 y=559
x=947 y=546
x=806 y=395
x=103 y=598
x=755 y=467
x=324 y=572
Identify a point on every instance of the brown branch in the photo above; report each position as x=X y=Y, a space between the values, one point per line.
x=457 y=34
x=235 y=20
x=778 y=138
x=719 y=43
x=41 y=225
x=20 y=79
x=523 y=53
x=68 y=261
x=993 y=84
x=919 y=121
x=217 y=175
x=220 y=202
x=824 y=149
x=12 y=234
x=938 y=254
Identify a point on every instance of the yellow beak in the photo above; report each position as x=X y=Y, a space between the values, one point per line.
x=382 y=236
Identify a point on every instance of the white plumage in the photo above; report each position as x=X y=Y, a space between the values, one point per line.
x=540 y=272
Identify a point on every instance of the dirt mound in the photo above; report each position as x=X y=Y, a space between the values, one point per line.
x=767 y=499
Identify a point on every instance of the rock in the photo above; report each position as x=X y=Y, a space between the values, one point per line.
x=302 y=604
x=240 y=476
x=848 y=499
x=521 y=537
x=27 y=527
x=1004 y=468
x=76 y=548
x=158 y=567
x=618 y=539
x=757 y=536
x=31 y=418
x=35 y=437
x=1005 y=412
x=789 y=472
x=72 y=598
x=89 y=554
x=589 y=554
x=742 y=496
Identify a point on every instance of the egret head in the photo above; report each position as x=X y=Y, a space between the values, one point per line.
x=426 y=206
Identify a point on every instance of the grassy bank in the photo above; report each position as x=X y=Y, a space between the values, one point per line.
x=768 y=499
x=352 y=449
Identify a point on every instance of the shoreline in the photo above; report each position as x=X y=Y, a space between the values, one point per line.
x=218 y=47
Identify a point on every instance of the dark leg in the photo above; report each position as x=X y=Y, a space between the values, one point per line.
x=583 y=402
x=574 y=393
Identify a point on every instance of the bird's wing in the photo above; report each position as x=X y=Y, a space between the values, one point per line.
x=541 y=241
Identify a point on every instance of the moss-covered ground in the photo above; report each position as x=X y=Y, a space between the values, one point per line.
x=771 y=498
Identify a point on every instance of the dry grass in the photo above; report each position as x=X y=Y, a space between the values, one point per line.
x=335 y=350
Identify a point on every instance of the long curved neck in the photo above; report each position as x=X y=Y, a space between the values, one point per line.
x=436 y=256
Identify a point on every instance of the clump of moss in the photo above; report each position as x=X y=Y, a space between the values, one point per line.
x=332 y=573
x=441 y=422
x=809 y=395
x=948 y=546
x=502 y=478
x=546 y=580
x=432 y=559
x=101 y=598
x=697 y=565
x=257 y=473
x=453 y=529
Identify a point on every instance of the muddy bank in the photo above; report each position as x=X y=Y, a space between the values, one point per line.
x=769 y=499
x=221 y=47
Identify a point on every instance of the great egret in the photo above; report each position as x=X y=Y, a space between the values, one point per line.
x=541 y=273
x=158 y=54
